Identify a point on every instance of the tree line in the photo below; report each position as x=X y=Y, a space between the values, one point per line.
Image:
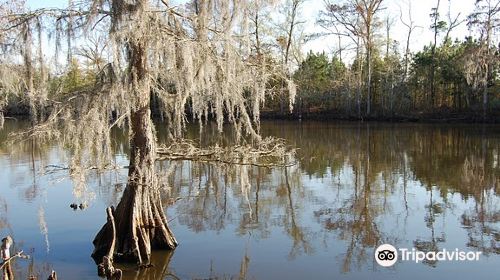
x=448 y=78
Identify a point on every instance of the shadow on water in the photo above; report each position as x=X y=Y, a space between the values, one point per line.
x=355 y=186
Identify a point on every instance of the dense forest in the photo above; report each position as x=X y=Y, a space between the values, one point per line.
x=368 y=75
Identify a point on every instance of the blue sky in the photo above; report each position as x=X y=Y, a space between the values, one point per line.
x=420 y=10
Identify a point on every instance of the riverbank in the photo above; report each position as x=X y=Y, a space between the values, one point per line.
x=424 y=117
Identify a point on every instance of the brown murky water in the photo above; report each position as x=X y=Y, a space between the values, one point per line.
x=355 y=186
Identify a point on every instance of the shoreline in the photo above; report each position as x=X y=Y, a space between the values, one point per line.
x=327 y=116
x=455 y=117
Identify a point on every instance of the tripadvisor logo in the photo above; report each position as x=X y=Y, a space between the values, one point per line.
x=387 y=255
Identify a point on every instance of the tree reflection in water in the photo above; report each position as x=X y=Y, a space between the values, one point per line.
x=216 y=194
x=353 y=220
x=443 y=160
x=378 y=173
x=356 y=185
x=158 y=269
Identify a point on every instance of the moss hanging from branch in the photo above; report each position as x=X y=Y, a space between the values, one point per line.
x=192 y=62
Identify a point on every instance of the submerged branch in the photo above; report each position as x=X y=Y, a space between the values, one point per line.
x=269 y=153
x=202 y=159
x=52 y=168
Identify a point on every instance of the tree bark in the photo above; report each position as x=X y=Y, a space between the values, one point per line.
x=140 y=220
x=106 y=268
x=141 y=224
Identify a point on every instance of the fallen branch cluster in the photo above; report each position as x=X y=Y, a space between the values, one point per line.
x=270 y=152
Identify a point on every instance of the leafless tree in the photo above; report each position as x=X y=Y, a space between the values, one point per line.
x=436 y=26
x=359 y=19
x=367 y=10
x=485 y=19
x=410 y=24
x=287 y=40
x=453 y=22
x=93 y=51
x=335 y=16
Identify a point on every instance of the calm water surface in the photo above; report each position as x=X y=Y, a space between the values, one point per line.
x=355 y=186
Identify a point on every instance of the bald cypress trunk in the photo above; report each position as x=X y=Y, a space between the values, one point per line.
x=141 y=224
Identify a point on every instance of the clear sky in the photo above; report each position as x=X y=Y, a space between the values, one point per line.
x=420 y=13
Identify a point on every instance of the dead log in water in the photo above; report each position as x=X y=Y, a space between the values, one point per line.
x=52 y=276
x=6 y=266
x=6 y=258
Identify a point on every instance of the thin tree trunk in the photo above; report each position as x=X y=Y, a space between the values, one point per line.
x=485 y=92
x=433 y=62
x=359 y=82
x=389 y=68
x=407 y=53
x=295 y=5
x=29 y=82
x=488 y=68
x=369 y=89
x=257 y=38
x=360 y=79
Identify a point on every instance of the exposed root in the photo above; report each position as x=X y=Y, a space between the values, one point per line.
x=106 y=268
x=141 y=226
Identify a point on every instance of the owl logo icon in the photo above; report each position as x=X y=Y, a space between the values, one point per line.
x=386 y=255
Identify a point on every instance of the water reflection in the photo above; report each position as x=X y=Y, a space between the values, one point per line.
x=356 y=185
x=442 y=160
x=159 y=268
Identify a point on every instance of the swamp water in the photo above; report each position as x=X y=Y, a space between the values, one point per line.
x=354 y=186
